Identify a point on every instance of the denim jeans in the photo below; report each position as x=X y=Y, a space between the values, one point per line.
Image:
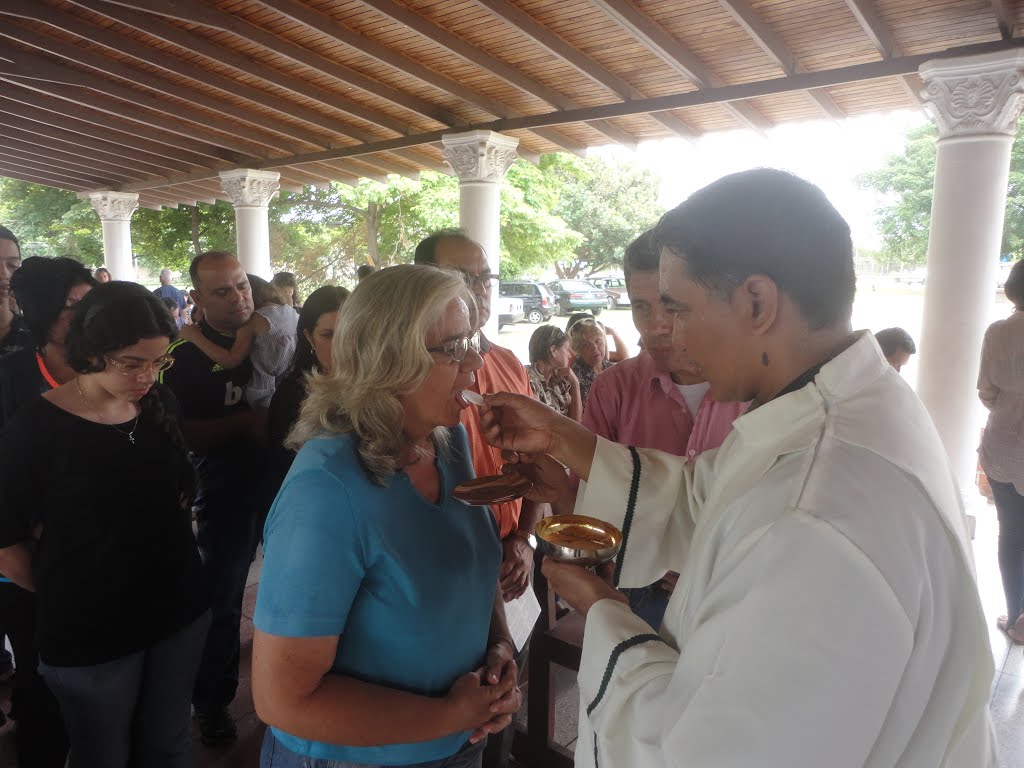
x=277 y=755
x=649 y=603
x=229 y=530
x=132 y=711
x=1010 y=510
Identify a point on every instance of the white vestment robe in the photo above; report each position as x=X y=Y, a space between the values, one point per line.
x=827 y=613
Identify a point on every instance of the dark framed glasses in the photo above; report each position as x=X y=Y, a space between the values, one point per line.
x=457 y=349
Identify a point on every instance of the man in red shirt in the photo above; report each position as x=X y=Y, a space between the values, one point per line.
x=501 y=372
x=658 y=399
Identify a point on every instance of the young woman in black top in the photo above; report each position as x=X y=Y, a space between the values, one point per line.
x=122 y=611
x=315 y=332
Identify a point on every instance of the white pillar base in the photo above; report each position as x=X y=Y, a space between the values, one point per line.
x=251 y=192
x=975 y=102
x=115 y=210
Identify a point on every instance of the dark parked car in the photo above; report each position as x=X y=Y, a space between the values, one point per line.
x=615 y=287
x=574 y=295
x=538 y=301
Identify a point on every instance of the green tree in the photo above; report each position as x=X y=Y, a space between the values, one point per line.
x=607 y=203
x=907 y=180
x=51 y=222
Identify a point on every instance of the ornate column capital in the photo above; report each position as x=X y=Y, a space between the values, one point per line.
x=975 y=95
x=250 y=188
x=480 y=155
x=114 y=206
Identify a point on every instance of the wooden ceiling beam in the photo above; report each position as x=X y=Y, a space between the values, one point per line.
x=171 y=144
x=424 y=160
x=81 y=133
x=777 y=50
x=334 y=174
x=20 y=154
x=1006 y=17
x=654 y=37
x=199 y=139
x=855 y=73
x=48 y=151
x=881 y=37
x=282 y=136
x=492 y=64
x=205 y=15
x=12 y=160
x=196 y=43
x=56 y=178
x=325 y=25
x=31 y=178
x=389 y=166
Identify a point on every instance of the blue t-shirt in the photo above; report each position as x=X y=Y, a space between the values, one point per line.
x=408 y=586
x=170 y=292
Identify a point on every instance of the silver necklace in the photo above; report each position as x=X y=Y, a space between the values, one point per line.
x=130 y=434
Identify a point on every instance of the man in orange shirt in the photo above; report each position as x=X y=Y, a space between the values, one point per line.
x=501 y=372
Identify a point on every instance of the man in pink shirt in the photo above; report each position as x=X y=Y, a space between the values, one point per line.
x=658 y=399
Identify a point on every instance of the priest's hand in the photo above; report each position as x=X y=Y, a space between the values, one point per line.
x=549 y=478
x=519 y=423
x=579 y=587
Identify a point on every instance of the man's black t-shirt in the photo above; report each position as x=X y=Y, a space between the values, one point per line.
x=117 y=568
x=207 y=391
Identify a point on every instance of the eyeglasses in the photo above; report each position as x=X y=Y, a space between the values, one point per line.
x=457 y=349
x=478 y=281
x=133 y=368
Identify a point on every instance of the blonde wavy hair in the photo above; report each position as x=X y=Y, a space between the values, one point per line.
x=380 y=353
x=579 y=331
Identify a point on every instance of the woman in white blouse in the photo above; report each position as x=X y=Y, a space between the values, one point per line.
x=1001 y=389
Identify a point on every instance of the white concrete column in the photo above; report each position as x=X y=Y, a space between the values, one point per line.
x=251 y=192
x=480 y=160
x=975 y=102
x=115 y=210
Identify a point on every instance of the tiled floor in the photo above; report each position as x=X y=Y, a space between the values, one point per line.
x=1007 y=686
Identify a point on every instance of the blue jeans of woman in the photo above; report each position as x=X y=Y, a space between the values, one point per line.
x=135 y=710
x=1010 y=511
x=277 y=755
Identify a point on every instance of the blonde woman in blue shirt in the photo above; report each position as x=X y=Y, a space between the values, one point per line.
x=380 y=633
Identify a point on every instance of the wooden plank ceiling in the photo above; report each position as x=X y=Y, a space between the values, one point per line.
x=158 y=96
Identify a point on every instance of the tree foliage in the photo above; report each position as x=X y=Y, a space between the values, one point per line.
x=565 y=213
x=907 y=181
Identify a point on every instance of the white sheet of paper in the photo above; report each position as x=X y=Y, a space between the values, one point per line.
x=521 y=614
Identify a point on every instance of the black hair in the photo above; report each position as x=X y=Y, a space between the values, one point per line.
x=197 y=262
x=426 y=251
x=116 y=315
x=41 y=289
x=1014 y=285
x=543 y=339
x=771 y=223
x=6 y=234
x=171 y=304
x=287 y=280
x=264 y=293
x=893 y=339
x=328 y=298
x=641 y=255
x=365 y=270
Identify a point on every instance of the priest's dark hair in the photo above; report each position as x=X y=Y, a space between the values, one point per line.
x=116 y=315
x=41 y=288
x=766 y=222
x=894 y=339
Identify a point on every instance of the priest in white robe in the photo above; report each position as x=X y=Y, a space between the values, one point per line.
x=827 y=614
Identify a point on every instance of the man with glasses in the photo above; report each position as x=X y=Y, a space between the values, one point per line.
x=501 y=372
x=225 y=436
x=13 y=334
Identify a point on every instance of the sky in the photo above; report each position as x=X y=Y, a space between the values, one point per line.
x=828 y=153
